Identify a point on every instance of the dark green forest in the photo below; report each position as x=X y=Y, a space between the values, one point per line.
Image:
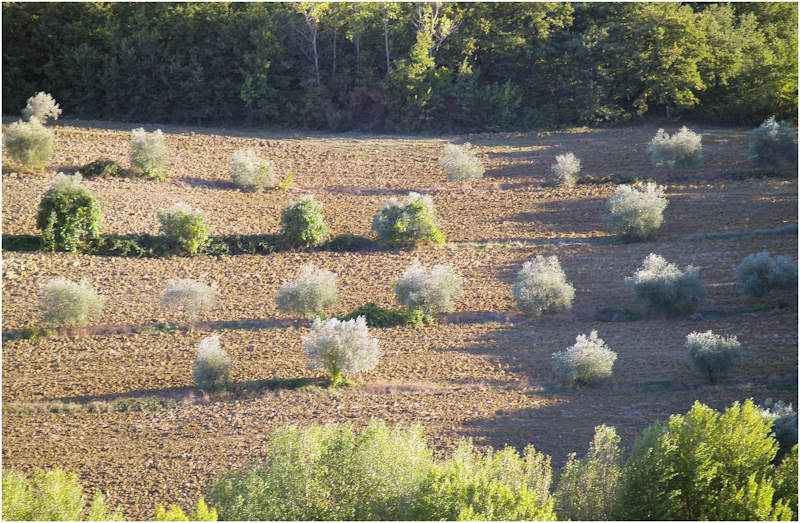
x=404 y=67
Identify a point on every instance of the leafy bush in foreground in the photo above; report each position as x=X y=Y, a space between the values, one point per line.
x=185 y=229
x=149 y=153
x=191 y=297
x=565 y=170
x=310 y=294
x=461 y=163
x=69 y=303
x=69 y=216
x=786 y=479
x=759 y=273
x=51 y=495
x=428 y=293
x=41 y=107
x=774 y=144
x=303 y=223
x=703 y=466
x=587 y=487
x=212 y=365
x=636 y=212
x=711 y=354
x=588 y=361
x=29 y=143
x=175 y=513
x=341 y=348
x=251 y=173
x=403 y=224
x=683 y=149
x=665 y=287
x=542 y=285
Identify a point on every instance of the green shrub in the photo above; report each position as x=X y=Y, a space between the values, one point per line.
x=711 y=354
x=310 y=294
x=565 y=170
x=541 y=286
x=430 y=292
x=341 y=348
x=69 y=303
x=51 y=495
x=102 y=168
x=29 y=143
x=587 y=362
x=703 y=466
x=69 y=216
x=303 y=223
x=251 y=173
x=185 y=229
x=587 y=487
x=636 y=212
x=786 y=480
x=461 y=163
x=191 y=297
x=774 y=145
x=376 y=316
x=175 y=513
x=665 y=287
x=683 y=149
x=758 y=274
x=404 y=224
x=212 y=365
x=149 y=153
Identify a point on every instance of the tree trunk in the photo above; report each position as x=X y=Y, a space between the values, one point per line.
x=668 y=112
x=316 y=59
x=386 y=42
x=357 y=44
x=333 y=69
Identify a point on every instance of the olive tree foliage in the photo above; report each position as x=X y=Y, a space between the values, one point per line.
x=760 y=273
x=460 y=163
x=405 y=223
x=682 y=150
x=212 y=365
x=341 y=348
x=541 y=286
x=191 y=297
x=587 y=487
x=68 y=303
x=69 y=216
x=149 y=153
x=703 y=466
x=310 y=294
x=711 y=354
x=565 y=169
x=784 y=424
x=587 y=362
x=29 y=143
x=636 y=212
x=429 y=292
x=666 y=288
x=41 y=107
x=774 y=144
x=251 y=173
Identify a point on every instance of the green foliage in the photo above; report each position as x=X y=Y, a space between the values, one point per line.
x=587 y=487
x=29 y=143
x=33 y=333
x=303 y=223
x=149 y=153
x=666 y=288
x=51 y=495
x=711 y=354
x=587 y=362
x=102 y=168
x=310 y=294
x=286 y=183
x=774 y=145
x=376 y=316
x=69 y=216
x=703 y=466
x=636 y=212
x=786 y=479
x=175 y=513
x=541 y=286
x=212 y=365
x=404 y=224
x=758 y=274
x=185 y=229
x=69 y=303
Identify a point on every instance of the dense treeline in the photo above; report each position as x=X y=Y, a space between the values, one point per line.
x=404 y=66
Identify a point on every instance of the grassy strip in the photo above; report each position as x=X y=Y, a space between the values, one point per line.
x=146 y=404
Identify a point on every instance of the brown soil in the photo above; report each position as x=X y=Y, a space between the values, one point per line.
x=481 y=372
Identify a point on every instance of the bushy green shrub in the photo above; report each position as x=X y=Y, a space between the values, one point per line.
x=41 y=107
x=102 y=168
x=185 y=229
x=341 y=348
x=774 y=144
x=786 y=480
x=683 y=149
x=542 y=285
x=212 y=365
x=191 y=297
x=69 y=303
x=69 y=216
x=328 y=473
x=461 y=163
x=760 y=273
x=784 y=424
x=587 y=487
x=703 y=466
x=429 y=292
x=310 y=294
x=666 y=288
x=149 y=153
x=175 y=513
x=51 y=495
x=636 y=212
x=587 y=362
x=29 y=143
x=376 y=316
x=303 y=223
x=711 y=354
x=251 y=173
x=565 y=170
x=403 y=224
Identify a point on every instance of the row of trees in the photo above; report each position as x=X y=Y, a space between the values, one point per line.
x=404 y=66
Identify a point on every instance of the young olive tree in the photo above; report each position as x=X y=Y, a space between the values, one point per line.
x=68 y=303
x=341 y=348
x=310 y=294
x=636 y=212
x=426 y=293
x=460 y=163
x=587 y=362
x=666 y=288
x=541 y=286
